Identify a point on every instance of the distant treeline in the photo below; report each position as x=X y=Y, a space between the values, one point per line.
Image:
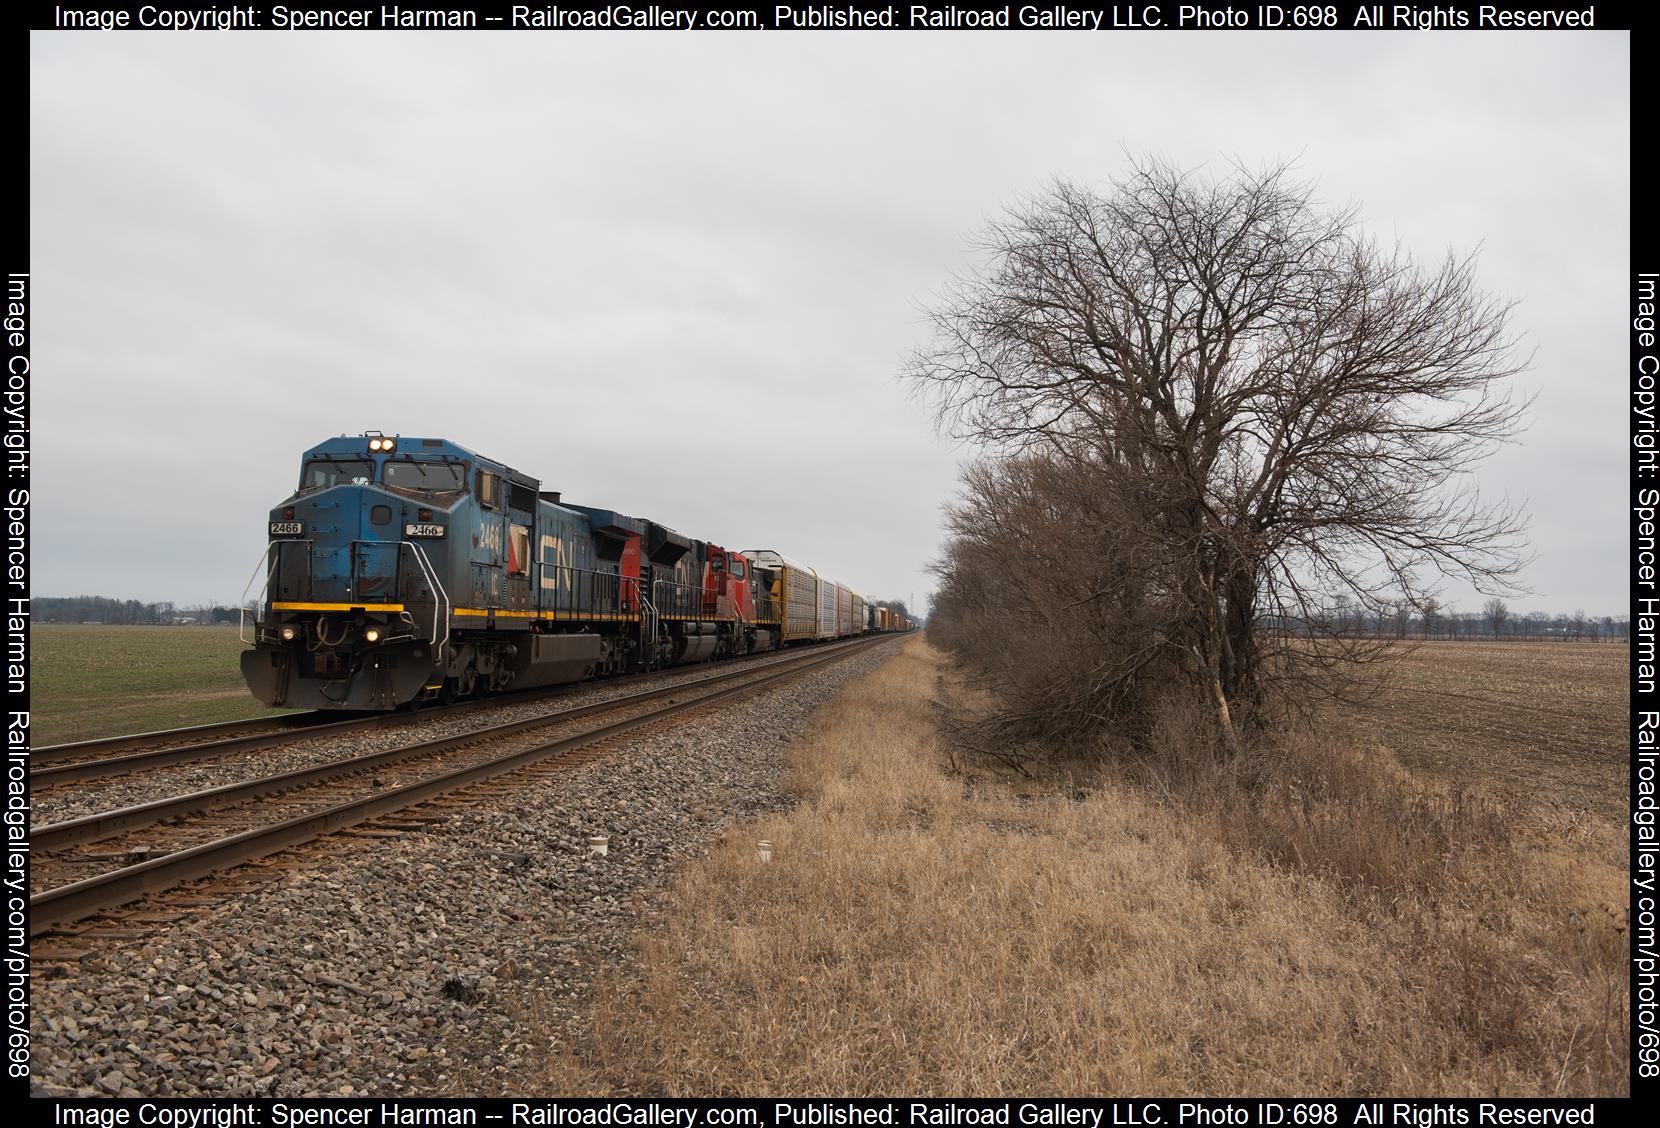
x=1426 y=620
x=101 y=609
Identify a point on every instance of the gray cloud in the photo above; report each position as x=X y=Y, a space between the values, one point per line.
x=676 y=274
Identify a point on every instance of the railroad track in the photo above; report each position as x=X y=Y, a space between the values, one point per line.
x=193 y=836
x=109 y=746
x=54 y=765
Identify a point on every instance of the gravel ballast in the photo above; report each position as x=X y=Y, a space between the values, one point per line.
x=446 y=961
x=70 y=801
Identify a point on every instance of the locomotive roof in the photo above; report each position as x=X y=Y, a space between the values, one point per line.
x=608 y=519
x=357 y=446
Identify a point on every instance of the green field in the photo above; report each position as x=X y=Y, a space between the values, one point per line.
x=90 y=681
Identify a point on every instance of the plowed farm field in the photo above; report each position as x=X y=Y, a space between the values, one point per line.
x=1543 y=723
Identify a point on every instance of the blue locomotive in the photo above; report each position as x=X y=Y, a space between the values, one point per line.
x=405 y=569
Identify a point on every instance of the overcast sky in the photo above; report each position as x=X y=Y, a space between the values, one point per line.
x=676 y=274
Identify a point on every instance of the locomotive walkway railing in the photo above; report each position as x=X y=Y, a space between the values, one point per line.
x=579 y=593
x=680 y=601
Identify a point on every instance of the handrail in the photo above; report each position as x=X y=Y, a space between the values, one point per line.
x=740 y=631
x=648 y=625
x=431 y=576
x=580 y=590
x=265 y=560
x=686 y=600
x=428 y=572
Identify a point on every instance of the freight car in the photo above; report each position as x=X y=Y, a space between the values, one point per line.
x=884 y=620
x=411 y=569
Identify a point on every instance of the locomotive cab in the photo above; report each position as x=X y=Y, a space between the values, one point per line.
x=356 y=612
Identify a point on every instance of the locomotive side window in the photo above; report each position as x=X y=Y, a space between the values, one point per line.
x=426 y=478
x=518 y=550
x=322 y=472
x=489 y=489
x=738 y=569
x=521 y=497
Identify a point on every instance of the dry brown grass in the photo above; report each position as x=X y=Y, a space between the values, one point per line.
x=1311 y=922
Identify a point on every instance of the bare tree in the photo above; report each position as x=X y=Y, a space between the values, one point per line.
x=1496 y=612
x=1403 y=617
x=1065 y=633
x=1289 y=411
x=1342 y=614
x=1430 y=608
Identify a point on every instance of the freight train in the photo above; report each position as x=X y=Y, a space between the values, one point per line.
x=405 y=570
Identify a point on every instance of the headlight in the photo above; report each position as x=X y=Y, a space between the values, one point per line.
x=371 y=635
x=288 y=634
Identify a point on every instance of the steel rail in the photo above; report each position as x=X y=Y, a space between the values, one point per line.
x=77 y=771
x=103 y=744
x=105 y=824
x=82 y=898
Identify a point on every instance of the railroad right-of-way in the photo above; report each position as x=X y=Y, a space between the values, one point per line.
x=441 y=956
x=111 y=858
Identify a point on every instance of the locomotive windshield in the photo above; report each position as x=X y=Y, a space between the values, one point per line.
x=426 y=478
x=320 y=472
